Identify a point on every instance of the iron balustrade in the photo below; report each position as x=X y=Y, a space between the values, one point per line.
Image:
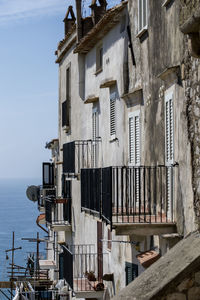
x=138 y=194
x=45 y=193
x=58 y=211
x=80 y=267
x=80 y=154
x=142 y=194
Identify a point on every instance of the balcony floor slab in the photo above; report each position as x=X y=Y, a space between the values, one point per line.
x=144 y=228
x=61 y=227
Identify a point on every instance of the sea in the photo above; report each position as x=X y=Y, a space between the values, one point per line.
x=17 y=214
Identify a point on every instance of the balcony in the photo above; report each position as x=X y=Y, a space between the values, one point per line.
x=58 y=213
x=133 y=200
x=80 y=154
x=82 y=268
x=45 y=193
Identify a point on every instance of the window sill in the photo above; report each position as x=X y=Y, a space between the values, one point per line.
x=98 y=71
x=141 y=32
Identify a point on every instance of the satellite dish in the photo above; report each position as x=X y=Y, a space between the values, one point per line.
x=33 y=193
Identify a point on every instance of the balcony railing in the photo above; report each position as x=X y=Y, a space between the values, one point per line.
x=79 y=266
x=80 y=154
x=130 y=194
x=58 y=211
x=45 y=193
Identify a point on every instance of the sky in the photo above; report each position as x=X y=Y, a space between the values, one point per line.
x=29 y=31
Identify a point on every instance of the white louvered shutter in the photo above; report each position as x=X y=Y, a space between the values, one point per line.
x=169 y=131
x=169 y=150
x=94 y=137
x=134 y=138
x=112 y=115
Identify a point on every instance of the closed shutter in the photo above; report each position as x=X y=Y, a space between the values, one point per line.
x=169 y=131
x=134 y=138
x=94 y=137
x=169 y=150
x=113 y=115
x=131 y=272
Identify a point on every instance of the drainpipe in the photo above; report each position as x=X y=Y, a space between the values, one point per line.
x=79 y=19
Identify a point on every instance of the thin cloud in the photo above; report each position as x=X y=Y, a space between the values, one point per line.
x=11 y=10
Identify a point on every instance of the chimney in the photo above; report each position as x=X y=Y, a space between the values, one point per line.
x=98 y=11
x=69 y=22
x=79 y=19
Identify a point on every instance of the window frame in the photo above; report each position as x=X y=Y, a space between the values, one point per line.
x=143 y=28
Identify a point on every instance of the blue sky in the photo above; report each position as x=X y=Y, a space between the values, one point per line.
x=30 y=31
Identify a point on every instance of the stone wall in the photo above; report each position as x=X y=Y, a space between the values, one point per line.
x=188 y=7
x=188 y=289
x=191 y=76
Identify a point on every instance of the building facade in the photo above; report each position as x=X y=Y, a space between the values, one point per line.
x=123 y=186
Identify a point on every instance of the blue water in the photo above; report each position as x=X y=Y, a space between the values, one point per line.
x=18 y=214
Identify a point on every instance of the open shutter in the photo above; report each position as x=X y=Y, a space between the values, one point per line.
x=112 y=115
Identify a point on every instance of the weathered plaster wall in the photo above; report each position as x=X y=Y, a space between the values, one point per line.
x=161 y=47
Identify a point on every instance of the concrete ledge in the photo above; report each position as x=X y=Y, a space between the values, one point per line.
x=108 y=82
x=91 y=99
x=165 y=274
x=90 y=294
x=144 y=228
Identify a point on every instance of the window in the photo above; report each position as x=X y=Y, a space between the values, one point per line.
x=95 y=117
x=131 y=272
x=142 y=15
x=134 y=138
x=112 y=115
x=66 y=105
x=99 y=58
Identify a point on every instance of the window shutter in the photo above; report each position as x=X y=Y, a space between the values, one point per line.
x=134 y=138
x=94 y=137
x=131 y=140
x=137 y=140
x=169 y=150
x=169 y=131
x=131 y=272
x=112 y=115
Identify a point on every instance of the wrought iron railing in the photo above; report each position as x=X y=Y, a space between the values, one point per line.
x=80 y=154
x=58 y=211
x=81 y=268
x=142 y=194
x=45 y=193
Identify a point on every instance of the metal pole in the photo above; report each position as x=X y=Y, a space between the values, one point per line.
x=13 y=245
